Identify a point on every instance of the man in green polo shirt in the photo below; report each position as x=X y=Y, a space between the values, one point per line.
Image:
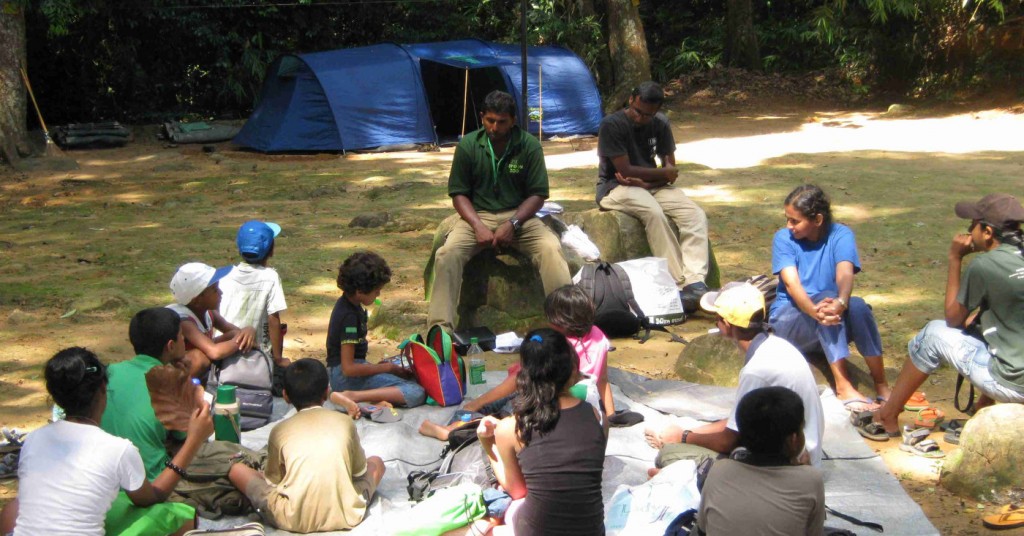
x=497 y=183
x=156 y=337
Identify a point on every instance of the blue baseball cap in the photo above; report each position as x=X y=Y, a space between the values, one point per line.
x=255 y=239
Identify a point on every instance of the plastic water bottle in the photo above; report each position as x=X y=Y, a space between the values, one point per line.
x=476 y=364
x=226 y=425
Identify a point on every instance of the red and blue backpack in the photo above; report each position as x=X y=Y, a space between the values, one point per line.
x=438 y=368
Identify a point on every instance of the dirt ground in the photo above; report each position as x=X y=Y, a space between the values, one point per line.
x=82 y=249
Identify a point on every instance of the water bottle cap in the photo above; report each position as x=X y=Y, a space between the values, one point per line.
x=226 y=394
x=474 y=340
x=464 y=417
x=377 y=301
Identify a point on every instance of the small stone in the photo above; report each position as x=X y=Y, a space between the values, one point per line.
x=370 y=221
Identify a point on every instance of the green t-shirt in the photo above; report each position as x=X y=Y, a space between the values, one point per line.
x=521 y=172
x=994 y=281
x=129 y=412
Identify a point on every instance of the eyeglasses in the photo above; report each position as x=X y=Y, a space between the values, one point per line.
x=641 y=113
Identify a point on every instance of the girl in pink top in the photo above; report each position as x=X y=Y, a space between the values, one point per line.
x=570 y=312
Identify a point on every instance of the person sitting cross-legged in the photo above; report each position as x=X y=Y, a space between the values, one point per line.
x=765 y=491
x=769 y=361
x=317 y=476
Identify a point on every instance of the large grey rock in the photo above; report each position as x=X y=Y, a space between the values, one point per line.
x=988 y=463
x=621 y=237
x=710 y=360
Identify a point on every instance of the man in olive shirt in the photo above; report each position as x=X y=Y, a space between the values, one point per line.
x=497 y=183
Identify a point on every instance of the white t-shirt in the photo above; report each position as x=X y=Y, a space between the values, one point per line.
x=69 y=475
x=251 y=293
x=777 y=363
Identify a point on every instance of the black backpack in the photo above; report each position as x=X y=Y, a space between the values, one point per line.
x=615 y=307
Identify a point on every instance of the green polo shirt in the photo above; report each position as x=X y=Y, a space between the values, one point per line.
x=129 y=412
x=502 y=183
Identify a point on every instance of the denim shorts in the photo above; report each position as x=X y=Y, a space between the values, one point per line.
x=804 y=332
x=938 y=343
x=412 y=391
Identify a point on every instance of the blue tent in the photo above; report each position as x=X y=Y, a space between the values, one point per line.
x=390 y=94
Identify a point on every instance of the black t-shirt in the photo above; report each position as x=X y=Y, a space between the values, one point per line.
x=619 y=135
x=348 y=326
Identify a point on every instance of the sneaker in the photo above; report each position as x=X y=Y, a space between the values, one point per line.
x=690 y=296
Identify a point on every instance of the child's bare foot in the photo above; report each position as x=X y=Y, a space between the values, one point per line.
x=671 y=433
x=342 y=401
x=652 y=471
x=434 y=430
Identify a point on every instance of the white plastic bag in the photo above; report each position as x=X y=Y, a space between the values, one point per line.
x=575 y=239
x=655 y=290
x=650 y=507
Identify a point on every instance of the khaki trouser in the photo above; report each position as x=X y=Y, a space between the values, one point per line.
x=534 y=239
x=687 y=256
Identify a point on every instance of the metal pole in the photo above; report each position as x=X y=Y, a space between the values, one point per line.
x=465 y=101
x=522 y=39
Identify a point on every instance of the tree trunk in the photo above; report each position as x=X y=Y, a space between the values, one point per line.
x=627 y=46
x=13 y=131
x=741 y=49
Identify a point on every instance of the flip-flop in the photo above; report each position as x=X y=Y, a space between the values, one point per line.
x=867 y=405
x=866 y=426
x=381 y=414
x=953 y=428
x=929 y=417
x=623 y=418
x=916 y=442
x=1008 y=518
x=916 y=402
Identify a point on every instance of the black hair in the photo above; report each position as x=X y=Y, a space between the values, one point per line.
x=74 y=376
x=650 y=93
x=499 y=102
x=150 y=329
x=305 y=381
x=1009 y=234
x=569 y=308
x=811 y=201
x=548 y=362
x=363 y=271
x=756 y=327
x=767 y=417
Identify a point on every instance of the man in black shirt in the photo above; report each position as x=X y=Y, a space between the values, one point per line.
x=631 y=181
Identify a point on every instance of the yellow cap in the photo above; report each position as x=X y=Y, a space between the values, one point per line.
x=737 y=303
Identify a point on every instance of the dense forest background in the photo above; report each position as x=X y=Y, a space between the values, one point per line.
x=152 y=60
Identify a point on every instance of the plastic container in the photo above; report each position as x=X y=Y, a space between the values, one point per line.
x=476 y=362
x=226 y=426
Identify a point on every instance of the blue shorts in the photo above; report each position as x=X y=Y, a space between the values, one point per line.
x=938 y=343
x=412 y=392
x=804 y=332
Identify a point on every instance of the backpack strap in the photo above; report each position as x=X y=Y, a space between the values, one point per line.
x=587 y=275
x=415 y=340
x=437 y=335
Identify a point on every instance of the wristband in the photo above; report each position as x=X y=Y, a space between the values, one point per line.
x=181 y=472
x=843 y=303
x=686 y=434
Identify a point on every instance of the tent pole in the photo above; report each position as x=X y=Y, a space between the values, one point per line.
x=524 y=113
x=465 y=101
x=540 y=102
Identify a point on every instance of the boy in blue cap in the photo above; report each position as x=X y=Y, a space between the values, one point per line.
x=252 y=293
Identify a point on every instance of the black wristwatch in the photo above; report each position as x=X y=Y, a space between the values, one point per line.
x=516 y=224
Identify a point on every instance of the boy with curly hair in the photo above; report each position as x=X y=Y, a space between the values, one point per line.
x=361 y=277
